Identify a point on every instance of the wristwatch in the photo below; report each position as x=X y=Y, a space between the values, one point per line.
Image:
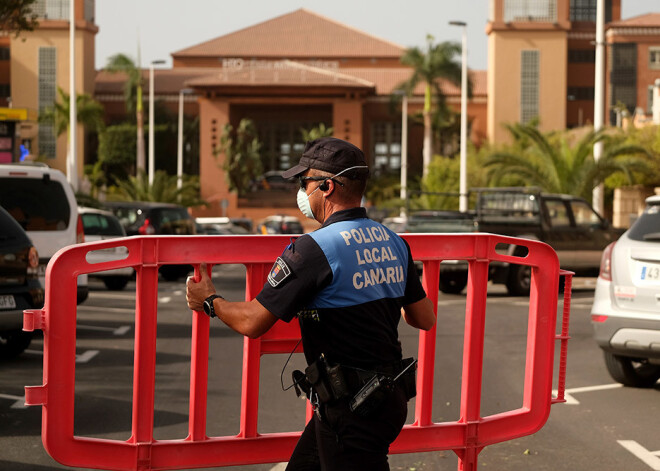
x=209 y=310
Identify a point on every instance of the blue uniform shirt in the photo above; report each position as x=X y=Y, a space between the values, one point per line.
x=346 y=283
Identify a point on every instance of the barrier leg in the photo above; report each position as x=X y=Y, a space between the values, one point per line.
x=145 y=354
x=426 y=355
x=255 y=276
x=473 y=353
x=199 y=374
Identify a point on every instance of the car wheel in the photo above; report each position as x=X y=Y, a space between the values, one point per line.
x=14 y=342
x=519 y=280
x=115 y=283
x=635 y=372
x=452 y=283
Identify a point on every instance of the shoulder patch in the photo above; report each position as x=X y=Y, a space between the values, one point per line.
x=279 y=272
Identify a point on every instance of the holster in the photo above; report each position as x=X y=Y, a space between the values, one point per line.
x=408 y=379
x=367 y=389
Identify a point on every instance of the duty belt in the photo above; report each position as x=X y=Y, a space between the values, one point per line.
x=324 y=382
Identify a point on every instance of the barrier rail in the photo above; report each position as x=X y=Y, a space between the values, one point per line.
x=466 y=437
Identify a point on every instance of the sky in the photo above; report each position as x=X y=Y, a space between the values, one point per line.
x=166 y=26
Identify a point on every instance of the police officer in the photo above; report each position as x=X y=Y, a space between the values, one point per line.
x=348 y=283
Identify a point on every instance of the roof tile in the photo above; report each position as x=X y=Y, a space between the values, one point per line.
x=648 y=19
x=301 y=33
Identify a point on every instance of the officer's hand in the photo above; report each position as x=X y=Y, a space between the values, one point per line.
x=197 y=292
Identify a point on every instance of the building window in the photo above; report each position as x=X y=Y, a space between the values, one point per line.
x=582 y=56
x=623 y=76
x=51 y=9
x=386 y=138
x=4 y=54
x=585 y=10
x=89 y=10
x=530 y=10
x=649 y=99
x=529 y=85
x=5 y=90
x=47 y=86
x=281 y=143
x=654 y=57
x=580 y=94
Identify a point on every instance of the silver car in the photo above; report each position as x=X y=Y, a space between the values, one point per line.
x=626 y=310
x=103 y=225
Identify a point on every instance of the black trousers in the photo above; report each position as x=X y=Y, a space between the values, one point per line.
x=345 y=441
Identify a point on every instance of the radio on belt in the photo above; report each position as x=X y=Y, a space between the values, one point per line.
x=371 y=395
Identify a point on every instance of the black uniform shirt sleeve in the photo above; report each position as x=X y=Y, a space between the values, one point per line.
x=414 y=291
x=295 y=279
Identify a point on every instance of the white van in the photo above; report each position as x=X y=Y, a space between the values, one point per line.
x=43 y=203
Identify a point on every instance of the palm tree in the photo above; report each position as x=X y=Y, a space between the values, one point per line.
x=558 y=165
x=132 y=96
x=163 y=190
x=437 y=63
x=89 y=114
x=316 y=132
x=242 y=162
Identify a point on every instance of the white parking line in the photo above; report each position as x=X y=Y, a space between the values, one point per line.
x=568 y=393
x=83 y=357
x=121 y=330
x=651 y=458
x=86 y=356
x=107 y=309
x=20 y=401
x=107 y=294
x=165 y=299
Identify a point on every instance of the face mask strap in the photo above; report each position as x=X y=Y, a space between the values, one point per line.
x=349 y=168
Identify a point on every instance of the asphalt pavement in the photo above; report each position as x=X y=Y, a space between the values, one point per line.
x=603 y=426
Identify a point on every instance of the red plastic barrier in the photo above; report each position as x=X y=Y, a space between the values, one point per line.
x=466 y=437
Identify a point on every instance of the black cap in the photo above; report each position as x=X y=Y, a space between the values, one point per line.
x=331 y=155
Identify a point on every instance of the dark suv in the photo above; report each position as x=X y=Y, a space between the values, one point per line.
x=148 y=218
x=19 y=285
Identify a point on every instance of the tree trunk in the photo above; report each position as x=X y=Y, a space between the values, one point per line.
x=428 y=146
x=140 y=142
x=139 y=114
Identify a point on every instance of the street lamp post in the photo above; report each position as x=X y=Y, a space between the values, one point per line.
x=179 y=154
x=599 y=99
x=72 y=158
x=151 y=119
x=404 y=151
x=463 y=192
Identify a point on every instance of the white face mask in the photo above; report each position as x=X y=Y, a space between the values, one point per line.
x=303 y=203
x=302 y=198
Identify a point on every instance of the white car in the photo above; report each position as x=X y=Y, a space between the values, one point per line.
x=626 y=310
x=218 y=226
x=43 y=203
x=103 y=225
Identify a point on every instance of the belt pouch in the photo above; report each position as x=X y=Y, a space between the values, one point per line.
x=408 y=379
x=337 y=381
x=317 y=379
